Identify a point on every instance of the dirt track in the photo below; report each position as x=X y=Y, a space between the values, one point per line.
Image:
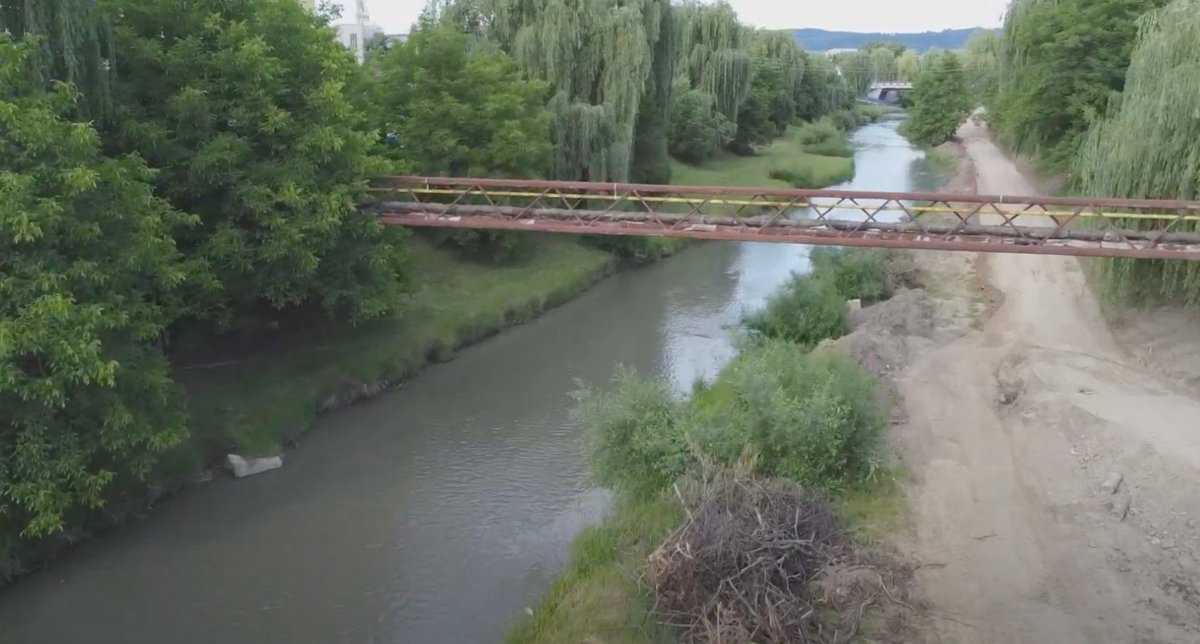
x=1014 y=424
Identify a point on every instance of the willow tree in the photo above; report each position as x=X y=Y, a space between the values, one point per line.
x=908 y=66
x=597 y=55
x=74 y=46
x=1061 y=60
x=1147 y=146
x=713 y=54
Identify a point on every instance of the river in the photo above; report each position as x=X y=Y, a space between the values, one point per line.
x=435 y=513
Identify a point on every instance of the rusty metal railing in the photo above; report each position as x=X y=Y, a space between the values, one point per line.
x=1139 y=228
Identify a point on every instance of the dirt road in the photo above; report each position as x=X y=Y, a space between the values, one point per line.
x=1013 y=430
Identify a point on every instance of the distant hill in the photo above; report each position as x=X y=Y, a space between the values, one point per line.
x=822 y=40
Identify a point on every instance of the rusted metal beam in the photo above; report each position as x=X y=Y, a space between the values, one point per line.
x=1137 y=228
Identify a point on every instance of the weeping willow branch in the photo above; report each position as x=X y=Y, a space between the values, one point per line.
x=1147 y=146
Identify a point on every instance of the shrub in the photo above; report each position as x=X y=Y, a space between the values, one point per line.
x=638 y=443
x=833 y=148
x=698 y=129
x=856 y=273
x=809 y=417
x=845 y=120
x=818 y=132
x=806 y=311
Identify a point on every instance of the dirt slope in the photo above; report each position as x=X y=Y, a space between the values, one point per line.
x=1012 y=430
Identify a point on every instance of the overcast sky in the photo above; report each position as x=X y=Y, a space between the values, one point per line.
x=395 y=16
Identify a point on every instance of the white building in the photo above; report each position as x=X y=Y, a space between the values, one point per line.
x=354 y=36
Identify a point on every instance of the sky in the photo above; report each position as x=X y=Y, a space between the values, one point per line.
x=396 y=16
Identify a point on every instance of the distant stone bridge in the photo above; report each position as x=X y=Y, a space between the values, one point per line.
x=888 y=92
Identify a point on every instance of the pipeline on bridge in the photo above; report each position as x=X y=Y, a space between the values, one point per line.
x=1137 y=228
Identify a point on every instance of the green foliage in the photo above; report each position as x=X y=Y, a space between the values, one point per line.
x=638 y=441
x=1061 y=62
x=458 y=107
x=822 y=90
x=453 y=105
x=801 y=177
x=651 y=160
x=88 y=282
x=74 y=45
x=597 y=57
x=807 y=310
x=1147 y=147
x=698 y=130
x=940 y=101
x=241 y=106
x=810 y=417
x=824 y=137
x=857 y=273
x=981 y=64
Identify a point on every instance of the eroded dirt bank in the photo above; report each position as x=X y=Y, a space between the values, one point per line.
x=1055 y=476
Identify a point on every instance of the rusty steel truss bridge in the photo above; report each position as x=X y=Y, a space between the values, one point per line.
x=1135 y=228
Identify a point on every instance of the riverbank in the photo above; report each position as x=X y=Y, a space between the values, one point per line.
x=606 y=591
x=261 y=403
x=785 y=155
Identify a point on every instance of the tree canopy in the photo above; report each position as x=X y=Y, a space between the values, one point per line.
x=241 y=108
x=1146 y=146
x=88 y=283
x=939 y=101
x=1062 y=60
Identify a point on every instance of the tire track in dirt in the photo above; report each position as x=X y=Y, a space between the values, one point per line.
x=1012 y=427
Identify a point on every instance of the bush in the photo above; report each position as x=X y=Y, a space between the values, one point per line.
x=869 y=113
x=833 y=148
x=493 y=245
x=802 y=177
x=809 y=417
x=818 y=132
x=845 y=120
x=806 y=311
x=856 y=273
x=638 y=443
x=698 y=129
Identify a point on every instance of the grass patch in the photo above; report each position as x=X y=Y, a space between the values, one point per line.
x=598 y=597
x=785 y=157
x=257 y=404
x=874 y=509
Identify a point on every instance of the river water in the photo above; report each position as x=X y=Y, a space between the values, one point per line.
x=436 y=513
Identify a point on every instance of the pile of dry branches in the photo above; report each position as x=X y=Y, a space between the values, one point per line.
x=742 y=567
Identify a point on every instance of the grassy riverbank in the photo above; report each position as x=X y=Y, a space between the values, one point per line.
x=780 y=411
x=267 y=400
x=786 y=154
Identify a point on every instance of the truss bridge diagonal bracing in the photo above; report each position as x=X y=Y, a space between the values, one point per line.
x=1150 y=229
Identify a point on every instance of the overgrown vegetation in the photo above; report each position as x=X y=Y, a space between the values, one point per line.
x=1147 y=147
x=778 y=413
x=1060 y=62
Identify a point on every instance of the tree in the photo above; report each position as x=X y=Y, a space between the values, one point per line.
x=940 y=101
x=597 y=57
x=1061 y=62
x=981 y=63
x=459 y=107
x=698 y=129
x=241 y=106
x=74 y=46
x=89 y=281
x=1146 y=146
